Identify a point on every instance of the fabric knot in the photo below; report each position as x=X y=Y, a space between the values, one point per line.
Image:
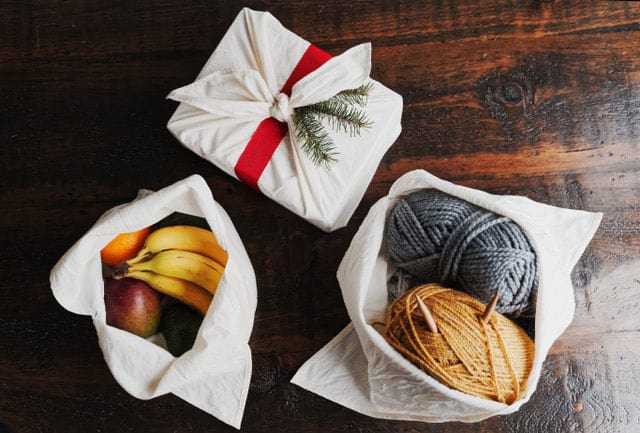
x=281 y=110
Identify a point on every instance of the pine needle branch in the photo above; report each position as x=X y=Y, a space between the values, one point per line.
x=314 y=140
x=357 y=96
x=342 y=116
x=341 y=112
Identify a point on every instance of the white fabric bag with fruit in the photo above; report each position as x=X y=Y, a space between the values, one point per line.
x=172 y=294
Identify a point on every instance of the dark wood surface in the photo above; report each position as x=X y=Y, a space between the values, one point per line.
x=537 y=98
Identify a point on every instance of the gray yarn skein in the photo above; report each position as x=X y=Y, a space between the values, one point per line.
x=440 y=238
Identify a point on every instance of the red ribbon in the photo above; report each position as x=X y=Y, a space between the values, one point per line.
x=270 y=132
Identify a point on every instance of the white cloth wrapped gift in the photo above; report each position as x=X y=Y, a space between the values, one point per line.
x=360 y=370
x=214 y=374
x=243 y=83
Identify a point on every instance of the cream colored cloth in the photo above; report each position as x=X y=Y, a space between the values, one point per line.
x=215 y=374
x=359 y=370
x=239 y=87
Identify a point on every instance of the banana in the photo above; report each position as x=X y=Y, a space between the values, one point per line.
x=193 y=267
x=186 y=238
x=185 y=291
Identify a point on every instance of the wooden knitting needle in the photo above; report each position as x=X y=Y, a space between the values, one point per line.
x=427 y=315
x=490 y=307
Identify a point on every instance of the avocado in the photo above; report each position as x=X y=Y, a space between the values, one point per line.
x=179 y=326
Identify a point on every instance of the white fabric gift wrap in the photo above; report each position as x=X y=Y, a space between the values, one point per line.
x=359 y=370
x=246 y=81
x=215 y=374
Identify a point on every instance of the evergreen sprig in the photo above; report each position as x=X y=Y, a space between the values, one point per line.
x=357 y=96
x=313 y=138
x=342 y=112
x=342 y=116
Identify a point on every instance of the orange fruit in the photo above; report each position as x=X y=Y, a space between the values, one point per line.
x=123 y=247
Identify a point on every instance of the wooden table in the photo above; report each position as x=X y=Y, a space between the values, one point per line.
x=540 y=99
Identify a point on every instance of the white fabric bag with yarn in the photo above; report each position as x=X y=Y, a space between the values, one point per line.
x=360 y=370
x=239 y=87
x=214 y=374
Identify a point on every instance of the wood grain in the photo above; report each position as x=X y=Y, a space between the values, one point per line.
x=539 y=98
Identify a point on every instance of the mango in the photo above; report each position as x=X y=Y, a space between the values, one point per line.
x=133 y=306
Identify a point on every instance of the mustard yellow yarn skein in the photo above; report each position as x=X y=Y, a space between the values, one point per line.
x=491 y=360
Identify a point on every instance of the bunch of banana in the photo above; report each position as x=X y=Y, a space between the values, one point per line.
x=183 y=262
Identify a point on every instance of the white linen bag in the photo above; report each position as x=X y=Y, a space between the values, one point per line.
x=240 y=86
x=360 y=370
x=215 y=374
